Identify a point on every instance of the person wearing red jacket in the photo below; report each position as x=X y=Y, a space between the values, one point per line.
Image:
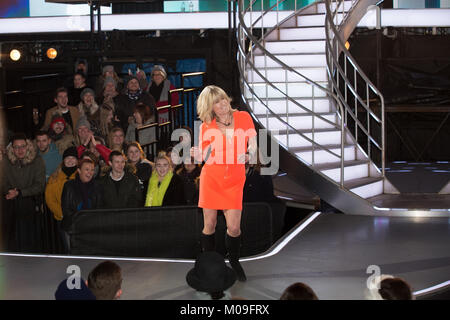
x=95 y=146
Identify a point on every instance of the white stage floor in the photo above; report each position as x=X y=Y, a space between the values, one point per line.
x=331 y=254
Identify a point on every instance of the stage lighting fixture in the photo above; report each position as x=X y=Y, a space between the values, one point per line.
x=15 y=55
x=347 y=45
x=52 y=53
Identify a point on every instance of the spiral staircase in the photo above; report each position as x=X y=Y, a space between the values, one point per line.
x=302 y=85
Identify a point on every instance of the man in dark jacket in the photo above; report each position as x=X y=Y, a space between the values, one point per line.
x=121 y=189
x=126 y=102
x=82 y=193
x=22 y=187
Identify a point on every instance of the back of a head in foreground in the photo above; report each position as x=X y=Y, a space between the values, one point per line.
x=70 y=291
x=105 y=281
x=395 y=289
x=387 y=287
x=298 y=291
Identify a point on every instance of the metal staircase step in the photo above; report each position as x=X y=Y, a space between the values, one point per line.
x=328 y=146
x=278 y=106
x=280 y=75
x=356 y=183
x=294 y=91
x=356 y=169
x=302 y=122
x=294 y=46
x=307 y=131
x=292 y=60
x=318 y=155
x=298 y=114
x=297 y=33
x=313 y=19
x=294 y=139
x=336 y=165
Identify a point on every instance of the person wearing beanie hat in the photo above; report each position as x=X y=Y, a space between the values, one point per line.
x=127 y=102
x=59 y=134
x=109 y=80
x=58 y=119
x=86 y=91
x=70 y=152
x=83 y=123
x=107 y=72
x=66 y=292
x=53 y=191
x=90 y=110
x=160 y=88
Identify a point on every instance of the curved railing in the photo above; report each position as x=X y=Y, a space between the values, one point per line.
x=355 y=91
x=248 y=41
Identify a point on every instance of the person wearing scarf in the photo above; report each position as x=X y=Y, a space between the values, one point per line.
x=53 y=191
x=159 y=88
x=66 y=171
x=164 y=188
x=125 y=103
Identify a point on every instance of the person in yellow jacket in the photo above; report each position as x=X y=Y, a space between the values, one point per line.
x=65 y=172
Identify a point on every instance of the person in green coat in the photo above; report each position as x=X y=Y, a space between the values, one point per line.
x=22 y=187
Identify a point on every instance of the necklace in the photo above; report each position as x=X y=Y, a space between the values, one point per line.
x=226 y=124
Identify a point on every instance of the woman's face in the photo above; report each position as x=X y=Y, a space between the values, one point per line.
x=70 y=162
x=88 y=99
x=86 y=172
x=118 y=138
x=221 y=107
x=78 y=81
x=108 y=74
x=110 y=89
x=157 y=77
x=162 y=167
x=133 y=154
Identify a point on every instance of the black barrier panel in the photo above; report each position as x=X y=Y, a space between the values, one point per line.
x=165 y=232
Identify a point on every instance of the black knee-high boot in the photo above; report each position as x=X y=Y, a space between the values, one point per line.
x=208 y=242
x=234 y=248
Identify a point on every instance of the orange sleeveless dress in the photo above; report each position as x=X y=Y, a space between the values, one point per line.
x=223 y=175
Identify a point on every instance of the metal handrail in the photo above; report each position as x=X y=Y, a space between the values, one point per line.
x=245 y=59
x=287 y=124
x=334 y=48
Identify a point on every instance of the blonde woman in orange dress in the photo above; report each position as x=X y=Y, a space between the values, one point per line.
x=227 y=140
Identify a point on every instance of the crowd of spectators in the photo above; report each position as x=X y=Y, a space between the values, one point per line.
x=84 y=153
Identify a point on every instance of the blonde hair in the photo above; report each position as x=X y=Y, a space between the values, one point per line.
x=162 y=156
x=209 y=96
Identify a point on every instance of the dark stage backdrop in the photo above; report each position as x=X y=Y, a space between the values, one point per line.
x=171 y=232
x=414 y=78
